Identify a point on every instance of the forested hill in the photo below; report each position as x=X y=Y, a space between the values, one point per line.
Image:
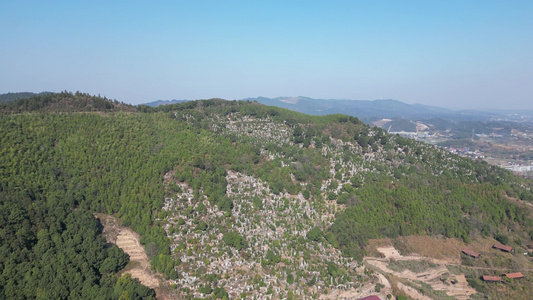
x=231 y=198
x=62 y=102
x=8 y=97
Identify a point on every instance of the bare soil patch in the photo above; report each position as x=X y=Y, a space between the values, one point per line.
x=139 y=266
x=439 y=248
x=377 y=243
x=436 y=275
x=411 y=292
x=366 y=290
x=128 y=241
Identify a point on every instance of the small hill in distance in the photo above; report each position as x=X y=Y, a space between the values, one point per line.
x=164 y=102
x=8 y=97
x=60 y=102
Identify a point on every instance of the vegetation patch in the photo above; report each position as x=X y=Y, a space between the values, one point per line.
x=416 y=266
x=426 y=290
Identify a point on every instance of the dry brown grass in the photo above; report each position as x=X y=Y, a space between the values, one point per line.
x=447 y=252
x=376 y=243
x=433 y=247
x=416 y=266
x=130 y=266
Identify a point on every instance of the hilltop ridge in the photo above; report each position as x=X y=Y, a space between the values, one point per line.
x=62 y=102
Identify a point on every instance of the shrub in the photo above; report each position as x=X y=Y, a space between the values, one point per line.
x=314 y=234
x=234 y=239
x=502 y=238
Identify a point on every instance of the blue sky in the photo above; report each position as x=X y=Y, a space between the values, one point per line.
x=457 y=54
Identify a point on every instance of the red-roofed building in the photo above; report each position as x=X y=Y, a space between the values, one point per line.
x=503 y=247
x=516 y=275
x=492 y=278
x=372 y=297
x=470 y=252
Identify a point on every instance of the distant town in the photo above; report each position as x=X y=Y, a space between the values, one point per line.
x=511 y=148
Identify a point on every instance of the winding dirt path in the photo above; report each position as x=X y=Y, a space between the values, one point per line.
x=459 y=290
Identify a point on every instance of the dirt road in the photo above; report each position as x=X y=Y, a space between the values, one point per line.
x=432 y=276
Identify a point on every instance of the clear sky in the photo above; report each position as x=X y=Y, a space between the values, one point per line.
x=457 y=54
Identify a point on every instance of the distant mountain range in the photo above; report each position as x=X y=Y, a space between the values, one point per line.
x=163 y=102
x=366 y=110
x=360 y=108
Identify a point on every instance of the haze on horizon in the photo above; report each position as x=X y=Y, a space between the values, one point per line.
x=454 y=54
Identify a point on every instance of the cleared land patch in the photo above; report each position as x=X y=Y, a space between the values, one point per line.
x=421 y=277
x=129 y=242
